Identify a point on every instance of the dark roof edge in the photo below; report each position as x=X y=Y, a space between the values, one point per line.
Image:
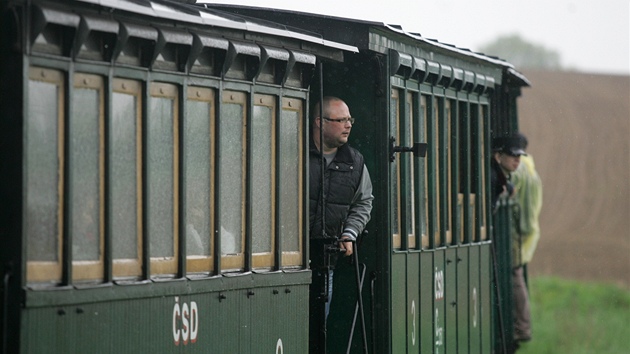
x=201 y=15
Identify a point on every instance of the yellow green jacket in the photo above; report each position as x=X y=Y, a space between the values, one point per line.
x=528 y=195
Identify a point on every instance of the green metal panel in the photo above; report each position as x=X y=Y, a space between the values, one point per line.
x=464 y=295
x=474 y=312
x=485 y=297
x=234 y=321
x=413 y=302
x=232 y=310
x=398 y=304
x=451 y=306
x=442 y=172
x=239 y=331
x=283 y=308
x=427 y=296
x=439 y=305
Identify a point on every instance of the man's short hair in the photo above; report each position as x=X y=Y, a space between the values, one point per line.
x=315 y=112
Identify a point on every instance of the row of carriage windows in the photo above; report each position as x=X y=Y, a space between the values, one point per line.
x=111 y=177
x=454 y=172
x=113 y=182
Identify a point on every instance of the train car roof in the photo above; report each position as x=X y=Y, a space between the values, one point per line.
x=467 y=52
x=186 y=11
x=520 y=79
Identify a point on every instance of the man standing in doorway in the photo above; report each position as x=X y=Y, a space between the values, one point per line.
x=525 y=235
x=341 y=198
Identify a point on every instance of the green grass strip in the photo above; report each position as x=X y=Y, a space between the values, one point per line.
x=576 y=317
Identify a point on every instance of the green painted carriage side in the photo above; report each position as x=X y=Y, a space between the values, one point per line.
x=412 y=305
x=474 y=308
x=439 y=303
x=486 y=292
x=427 y=297
x=377 y=43
x=451 y=279
x=406 y=307
x=96 y=316
x=153 y=319
x=462 y=298
x=450 y=327
x=231 y=314
x=399 y=291
x=367 y=88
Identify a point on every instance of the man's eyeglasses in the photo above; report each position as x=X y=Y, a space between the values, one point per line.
x=340 y=120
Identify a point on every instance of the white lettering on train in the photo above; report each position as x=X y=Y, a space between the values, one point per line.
x=185 y=322
x=439 y=332
x=474 y=306
x=279 y=348
x=439 y=284
x=413 y=327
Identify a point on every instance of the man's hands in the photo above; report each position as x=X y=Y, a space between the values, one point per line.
x=347 y=246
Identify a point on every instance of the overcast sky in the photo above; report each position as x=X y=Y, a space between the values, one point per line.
x=590 y=35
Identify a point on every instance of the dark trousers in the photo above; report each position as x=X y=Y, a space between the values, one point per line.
x=520 y=311
x=320 y=294
x=319 y=299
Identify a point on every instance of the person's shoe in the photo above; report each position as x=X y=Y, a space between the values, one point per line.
x=514 y=347
x=523 y=339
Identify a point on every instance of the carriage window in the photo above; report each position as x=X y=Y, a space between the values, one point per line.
x=423 y=169
x=125 y=177
x=466 y=178
x=477 y=169
x=199 y=178
x=291 y=165
x=477 y=202
x=449 y=152
x=480 y=203
x=263 y=172
x=394 y=127
x=44 y=174
x=409 y=195
x=403 y=191
x=85 y=182
x=161 y=168
x=232 y=178
x=439 y=165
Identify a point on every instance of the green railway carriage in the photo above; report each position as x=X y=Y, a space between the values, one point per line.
x=153 y=181
x=152 y=176
x=429 y=252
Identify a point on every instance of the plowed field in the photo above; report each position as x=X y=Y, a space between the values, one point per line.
x=578 y=127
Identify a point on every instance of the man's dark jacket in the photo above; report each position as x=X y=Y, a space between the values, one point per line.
x=342 y=179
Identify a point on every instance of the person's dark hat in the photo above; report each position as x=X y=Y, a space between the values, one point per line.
x=512 y=145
